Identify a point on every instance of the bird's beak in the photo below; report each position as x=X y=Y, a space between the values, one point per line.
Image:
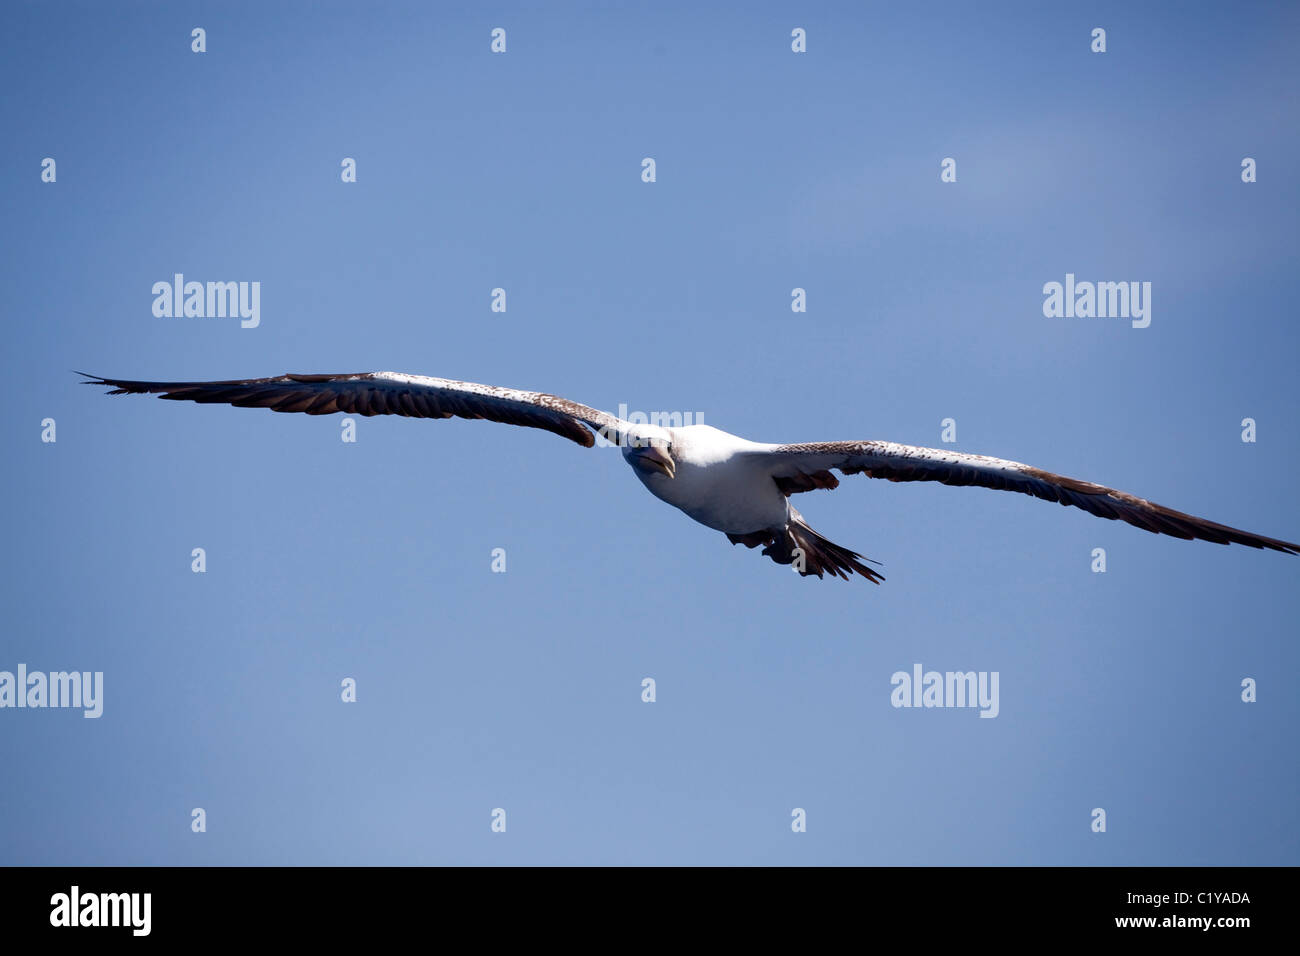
x=654 y=458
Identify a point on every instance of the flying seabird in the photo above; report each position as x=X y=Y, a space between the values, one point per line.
x=739 y=487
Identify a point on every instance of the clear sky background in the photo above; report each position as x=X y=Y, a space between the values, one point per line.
x=522 y=690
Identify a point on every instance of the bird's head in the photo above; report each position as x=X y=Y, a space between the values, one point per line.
x=649 y=450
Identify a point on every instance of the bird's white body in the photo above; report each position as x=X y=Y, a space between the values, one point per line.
x=715 y=481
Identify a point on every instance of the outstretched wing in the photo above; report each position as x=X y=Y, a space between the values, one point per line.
x=386 y=393
x=797 y=468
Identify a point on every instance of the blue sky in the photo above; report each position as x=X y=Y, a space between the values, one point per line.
x=522 y=690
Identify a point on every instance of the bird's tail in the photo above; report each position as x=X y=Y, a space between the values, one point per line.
x=808 y=551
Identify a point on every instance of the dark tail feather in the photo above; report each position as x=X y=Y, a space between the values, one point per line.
x=815 y=555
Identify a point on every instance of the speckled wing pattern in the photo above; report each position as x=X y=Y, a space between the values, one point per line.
x=798 y=468
x=386 y=393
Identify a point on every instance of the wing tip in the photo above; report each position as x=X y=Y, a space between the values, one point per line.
x=116 y=386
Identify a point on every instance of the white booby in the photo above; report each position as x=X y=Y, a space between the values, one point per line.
x=739 y=487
